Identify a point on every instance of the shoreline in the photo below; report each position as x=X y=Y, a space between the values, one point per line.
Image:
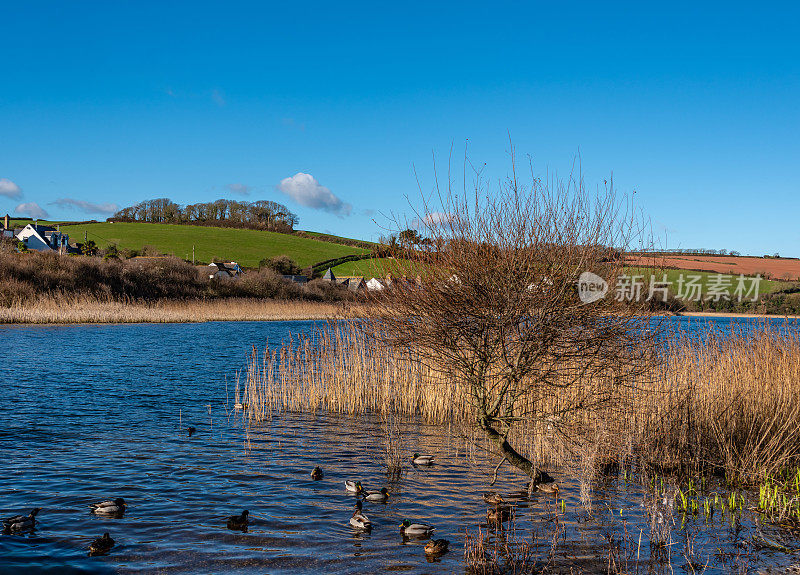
x=734 y=315
x=75 y=312
x=89 y=311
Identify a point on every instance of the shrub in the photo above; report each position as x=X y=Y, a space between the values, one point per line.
x=283 y=265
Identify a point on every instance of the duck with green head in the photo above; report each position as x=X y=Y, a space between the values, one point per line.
x=353 y=486
x=378 y=496
x=416 y=529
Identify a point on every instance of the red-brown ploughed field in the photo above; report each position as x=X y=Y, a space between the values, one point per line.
x=776 y=269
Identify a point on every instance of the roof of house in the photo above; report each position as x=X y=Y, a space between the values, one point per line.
x=329 y=275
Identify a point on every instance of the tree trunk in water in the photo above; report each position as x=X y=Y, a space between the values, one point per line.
x=513 y=456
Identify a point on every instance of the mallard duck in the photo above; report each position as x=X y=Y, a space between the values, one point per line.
x=115 y=507
x=418 y=459
x=101 y=545
x=20 y=523
x=381 y=495
x=359 y=520
x=415 y=529
x=498 y=514
x=437 y=547
x=493 y=498
x=551 y=488
x=316 y=474
x=238 y=522
x=353 y=486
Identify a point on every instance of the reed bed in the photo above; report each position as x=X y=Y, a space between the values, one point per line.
x=729 y=405
x=89 y=309
x=725 y=404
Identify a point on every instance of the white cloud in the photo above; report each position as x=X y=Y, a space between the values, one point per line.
x=9 y=189
x=307 y=191
x=241 y=189
x=31 y=209
x=218 y=96
x=432 y=220
x=87 y=207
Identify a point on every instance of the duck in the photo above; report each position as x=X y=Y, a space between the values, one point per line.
x=493 y=498
x=418 y=459
x=238 y=522
x=437 y=547
x=190 y=430
x=353 y=486
x=498 y=515
x=109 y=507
x=359 y=520
x=20 y=523
x=316 y=474
x=551 y=488
x=101 y=545
x=381 y=495
x=410 y=529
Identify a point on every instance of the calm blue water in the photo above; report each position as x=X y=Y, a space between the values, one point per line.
x=99 y=411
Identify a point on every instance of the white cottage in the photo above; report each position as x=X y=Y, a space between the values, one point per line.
x=43 y=238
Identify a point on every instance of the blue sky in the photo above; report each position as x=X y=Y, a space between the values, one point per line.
x=697 y=108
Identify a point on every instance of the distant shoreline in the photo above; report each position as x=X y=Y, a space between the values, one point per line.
x=91 y=311
x=735 y=315
x=87 y=311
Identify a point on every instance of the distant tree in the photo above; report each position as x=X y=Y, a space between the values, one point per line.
x=89 y=248
x=409 y=237
x=283 y=265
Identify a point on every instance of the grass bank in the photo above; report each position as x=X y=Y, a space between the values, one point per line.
x=93 y=310
x=247 y=247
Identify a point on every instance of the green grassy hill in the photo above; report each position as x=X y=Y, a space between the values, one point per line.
x=247 y=247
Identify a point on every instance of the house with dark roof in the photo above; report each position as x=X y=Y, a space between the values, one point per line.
x=224 y=270
x=44 y=239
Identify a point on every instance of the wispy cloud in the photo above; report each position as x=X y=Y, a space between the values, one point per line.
x=307 y=191
x=105 y=209
x=218 y=96
x=241 y=189
x=432 y=220
x=292 y=123
x=9 y=189
x=31 y=209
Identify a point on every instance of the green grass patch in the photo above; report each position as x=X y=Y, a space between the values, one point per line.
x=706 y=279
x=376 y=267
x=247 y=247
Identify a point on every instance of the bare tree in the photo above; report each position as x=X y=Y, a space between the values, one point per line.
x=496 y=305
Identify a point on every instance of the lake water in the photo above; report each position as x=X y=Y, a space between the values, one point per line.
x=99 y=411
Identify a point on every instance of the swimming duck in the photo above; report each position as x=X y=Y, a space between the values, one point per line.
x=353 y=486
x=418 y=459
x=493 y=498
x=551 y=488
x=437 y=547
x=115 y=507
x=415 y=529
x=101 y=545
x=20 y=523
x=359 y=520
x=316 y=474
x=381 y=495
x=238 y=522
x=499 y=514
x=191 y=430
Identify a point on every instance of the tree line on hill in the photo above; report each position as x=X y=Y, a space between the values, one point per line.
x=262 y=214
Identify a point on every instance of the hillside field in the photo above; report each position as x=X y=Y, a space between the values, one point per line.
x=247 y=247
x=379 y=268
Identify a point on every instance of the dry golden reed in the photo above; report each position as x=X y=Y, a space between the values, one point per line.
x=89 y=309
x=726 y=403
